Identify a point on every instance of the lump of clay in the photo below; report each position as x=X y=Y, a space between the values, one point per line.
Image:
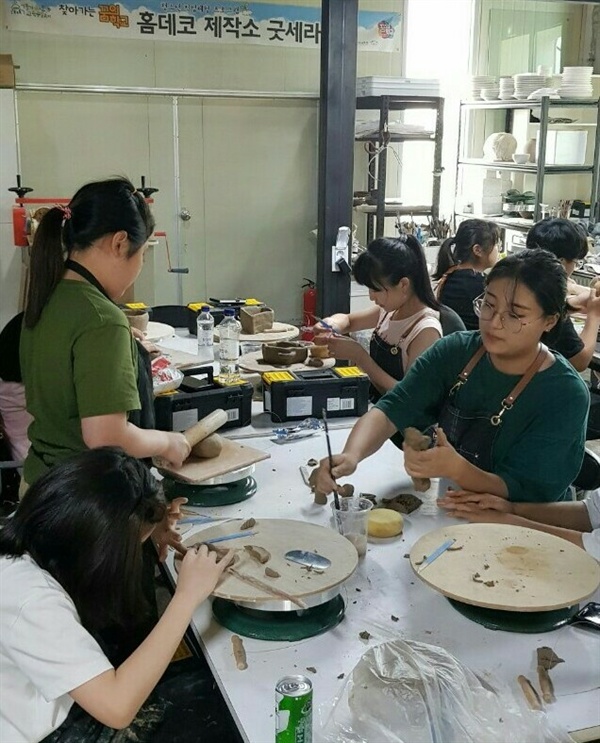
x=419 y=442
x=384 y=522
x=347 y=490
x=258 y=553
x=209 y=448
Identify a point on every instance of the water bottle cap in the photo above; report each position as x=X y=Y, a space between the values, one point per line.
x=205 y=308
x=229 y=312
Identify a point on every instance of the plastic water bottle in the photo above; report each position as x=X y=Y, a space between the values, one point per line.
x=206 y=326
x=229 y=337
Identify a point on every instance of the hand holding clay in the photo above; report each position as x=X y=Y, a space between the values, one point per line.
x=164 y=534
x=441 y=461
x=200 y=572
x=178 y=449
x=344 y=348
x=343 y=465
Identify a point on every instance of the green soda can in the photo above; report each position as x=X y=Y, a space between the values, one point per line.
x=293 y=697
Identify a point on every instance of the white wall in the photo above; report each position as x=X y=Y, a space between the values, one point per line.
x=10 y=257
x=248 y=167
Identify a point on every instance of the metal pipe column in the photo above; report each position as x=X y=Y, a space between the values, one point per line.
x=339 y=28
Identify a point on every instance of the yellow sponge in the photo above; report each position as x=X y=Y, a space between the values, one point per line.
x=383 y=522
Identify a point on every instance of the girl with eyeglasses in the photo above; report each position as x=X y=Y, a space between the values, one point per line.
x=70 y=569
x=511 y=414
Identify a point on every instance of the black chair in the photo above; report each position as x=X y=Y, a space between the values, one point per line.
x=589 y=474
x=450 y=320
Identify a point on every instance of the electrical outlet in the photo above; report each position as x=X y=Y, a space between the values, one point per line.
x=340 y=252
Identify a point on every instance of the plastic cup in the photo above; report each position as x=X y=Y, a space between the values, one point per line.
x=352 y=519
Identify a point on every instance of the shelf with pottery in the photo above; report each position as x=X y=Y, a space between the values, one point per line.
x=526 y=167
x=545 y=160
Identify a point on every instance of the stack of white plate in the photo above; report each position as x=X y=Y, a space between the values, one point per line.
x=576 y=82
x=507 y=88
x=479 y=82
x=526 y=83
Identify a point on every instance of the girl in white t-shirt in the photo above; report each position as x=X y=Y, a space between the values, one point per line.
x=405 y=314
x=70 y=567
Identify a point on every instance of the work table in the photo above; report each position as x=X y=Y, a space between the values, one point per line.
x=383 y=586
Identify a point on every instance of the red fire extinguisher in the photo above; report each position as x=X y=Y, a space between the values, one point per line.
x=309 y=309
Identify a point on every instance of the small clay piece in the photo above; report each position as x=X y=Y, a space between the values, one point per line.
x=248 y=524
x=347 y=490
x=239 y=652
x=341 y=675
x=393 y=618
x=320 y=498
x=420 y=562
x=477 y=578
x=364 y=635
x=419 y=442
x=546 y=685
x=312 y=463
x=370 y=496
x=270 y=573
x=222 y=551
x=457 y=547
x=404 y=503
x=208 y=448
x=312 y=669
x=531 y=695
x=258 y=553
x=311 y=361
x=547 y=658
x=489 y=583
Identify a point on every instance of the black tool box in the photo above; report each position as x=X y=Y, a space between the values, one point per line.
x=342 y=391
x=217 y=306
x=196 y=398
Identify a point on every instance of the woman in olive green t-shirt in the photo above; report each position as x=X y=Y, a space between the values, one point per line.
x=78 y=358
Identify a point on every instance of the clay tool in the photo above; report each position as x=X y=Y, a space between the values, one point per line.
x=435 y=554
x=238 y=535
x=308 y=559
x=330 y=456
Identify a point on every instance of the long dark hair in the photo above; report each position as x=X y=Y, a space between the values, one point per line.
x=545 y=277
x=388 y=260
x=561 y=237
x=97 y=209
x=458 y=249
x=83 y=523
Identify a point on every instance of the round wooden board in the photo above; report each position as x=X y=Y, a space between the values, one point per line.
x=156 y=331
x=251 y=362
x=531 y=570
x=279 y=536
x=281 y=331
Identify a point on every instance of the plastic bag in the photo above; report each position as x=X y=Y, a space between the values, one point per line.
x=165 y=377
x=411 y=692
x=302 y=430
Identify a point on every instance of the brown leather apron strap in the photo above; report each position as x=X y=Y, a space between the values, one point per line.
x=472 y=363
x=510 y=399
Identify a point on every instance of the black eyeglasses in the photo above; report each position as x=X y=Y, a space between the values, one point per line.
x=509 y=321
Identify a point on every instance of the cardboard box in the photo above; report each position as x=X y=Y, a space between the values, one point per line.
x=7 y=71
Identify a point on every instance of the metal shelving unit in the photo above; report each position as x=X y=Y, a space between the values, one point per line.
x=377 y=151
x=540 y=168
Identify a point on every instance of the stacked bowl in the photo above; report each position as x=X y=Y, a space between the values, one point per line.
x=481 y=82
x=507 y=88
x=526 y=83
x=576 y=82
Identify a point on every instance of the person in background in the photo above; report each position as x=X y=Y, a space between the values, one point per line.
x=578 y=522
x=462 y=259
x=498 y=396
x=78 y=357
x=405 y=313
x=70 y=564
x=566 y=241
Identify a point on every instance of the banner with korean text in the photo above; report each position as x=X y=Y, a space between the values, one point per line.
x=218 y=22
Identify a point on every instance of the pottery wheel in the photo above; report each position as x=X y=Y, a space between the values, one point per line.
x=279 y=536
x=158 y=330
x=527 y=570
x=280 y=331
x=252 y=362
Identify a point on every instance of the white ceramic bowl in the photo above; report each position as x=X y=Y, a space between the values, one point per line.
x=520 y=158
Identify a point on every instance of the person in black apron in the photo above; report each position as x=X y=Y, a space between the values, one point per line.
x=510 y=414
x=405 y=314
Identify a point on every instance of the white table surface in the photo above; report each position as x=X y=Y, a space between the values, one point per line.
x=383 y=585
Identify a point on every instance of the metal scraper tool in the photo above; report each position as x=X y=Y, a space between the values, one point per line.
x=309 y=559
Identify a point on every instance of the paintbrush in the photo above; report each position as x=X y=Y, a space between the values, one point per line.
x=330 y=457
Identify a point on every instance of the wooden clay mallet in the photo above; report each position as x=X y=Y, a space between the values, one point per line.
x=419 y=442
x=199 y=431
x=239 y=652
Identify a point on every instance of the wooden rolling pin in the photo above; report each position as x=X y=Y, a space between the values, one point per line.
x=198 y=432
